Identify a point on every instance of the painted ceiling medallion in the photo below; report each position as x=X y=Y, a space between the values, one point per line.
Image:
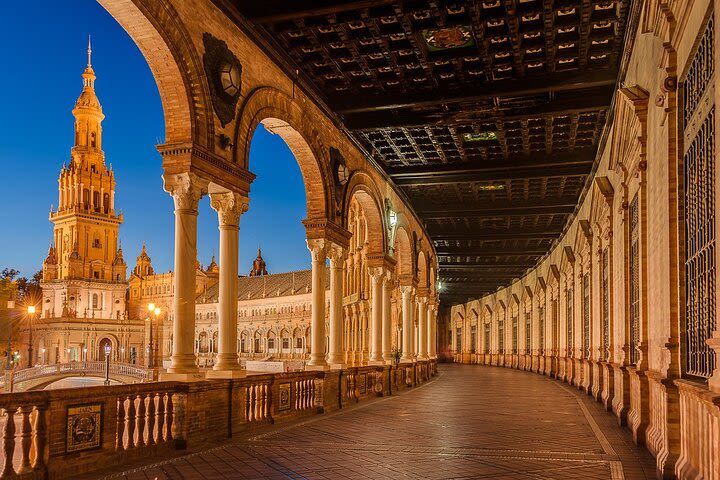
x=224 y=73
x=491 y=187
x=448 y=38
x=479 y=136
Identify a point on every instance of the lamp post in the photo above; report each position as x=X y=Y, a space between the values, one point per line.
x=31 y=314
x=107 y=364
x=153 y=311
x=85 y=357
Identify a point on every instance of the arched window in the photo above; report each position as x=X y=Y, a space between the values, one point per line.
x=106 y=203
x=93 y=139
x=95 y=300
x=203 y=343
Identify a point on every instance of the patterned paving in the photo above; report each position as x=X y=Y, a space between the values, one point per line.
x=473 y=422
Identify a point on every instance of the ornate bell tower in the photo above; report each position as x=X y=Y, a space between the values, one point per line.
x=86 y=226
x=84 y=274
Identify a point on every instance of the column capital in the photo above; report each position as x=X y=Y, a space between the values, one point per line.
x=318 y=248
x=407 y=290
x=422 y=299
x=186 y=189
x=337 y=254
x=377 y=274
x=229 y=206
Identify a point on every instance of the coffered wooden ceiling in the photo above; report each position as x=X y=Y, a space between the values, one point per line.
x=487 y=114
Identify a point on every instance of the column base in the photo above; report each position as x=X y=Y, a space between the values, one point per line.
x=375 y=363
x=336 y=366
x=230 y=373
x=407 y=360
x=422 y=357
x=195 y=376
x=317 y=368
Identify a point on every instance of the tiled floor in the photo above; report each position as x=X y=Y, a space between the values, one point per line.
x=472 y=422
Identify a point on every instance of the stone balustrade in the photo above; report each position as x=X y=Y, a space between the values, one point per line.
x=27 y=378
x=61 y=433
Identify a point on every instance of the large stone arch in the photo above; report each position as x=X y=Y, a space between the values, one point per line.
x=363 y=190
x=423 y=274
x=281 y=115
x=157 y=30
x=404 y=253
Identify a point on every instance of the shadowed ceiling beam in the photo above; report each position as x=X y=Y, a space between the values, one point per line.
x=590 y=102
x=485 y=234
x=516 y=162
x=452 y=251
x=272 y=11
x=430 y=177
x=473 y=266
x=554 y=82
x=495 y=209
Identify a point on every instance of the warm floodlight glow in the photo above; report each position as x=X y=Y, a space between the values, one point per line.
x=31 y=309
x=151 y=307
x=157 y=311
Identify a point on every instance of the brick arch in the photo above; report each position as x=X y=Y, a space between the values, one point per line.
x=403 y=252
x=422 y=263
x=281 y=115
x=157 y=30
x=362 y=189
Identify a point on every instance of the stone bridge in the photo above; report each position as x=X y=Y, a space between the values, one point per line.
x=38 y=377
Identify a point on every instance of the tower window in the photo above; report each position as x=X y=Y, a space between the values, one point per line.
x=93 y=142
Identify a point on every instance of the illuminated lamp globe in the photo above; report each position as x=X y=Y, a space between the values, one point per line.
x=230 y=79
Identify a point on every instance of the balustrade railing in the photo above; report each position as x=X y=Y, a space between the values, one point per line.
x=81 y=368
x=42 y=432
x=257 y=403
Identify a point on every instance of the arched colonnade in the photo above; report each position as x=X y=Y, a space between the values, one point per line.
x=217 y=86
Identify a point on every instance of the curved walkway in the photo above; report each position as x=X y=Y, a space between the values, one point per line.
x=472 y=422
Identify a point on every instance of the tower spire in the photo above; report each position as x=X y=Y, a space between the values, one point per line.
x=89 y=52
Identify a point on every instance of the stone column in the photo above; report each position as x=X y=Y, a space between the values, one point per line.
x=377 y=275
x=229 y=207
x=422 y=328
x=387 y=319
x=318 y=250
x=408 y=327
x=432 y=329
x=336 y=352
x=186 y=189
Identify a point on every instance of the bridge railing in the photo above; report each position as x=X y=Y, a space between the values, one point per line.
x=80 y=368
x=67 y=432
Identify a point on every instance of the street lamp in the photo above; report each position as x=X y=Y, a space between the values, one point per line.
x=153 y=310
x=31 y=314
x=107 y=364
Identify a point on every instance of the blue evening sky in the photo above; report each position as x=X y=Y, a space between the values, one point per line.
x=43 y=51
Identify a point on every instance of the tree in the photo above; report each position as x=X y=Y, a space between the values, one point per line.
x=29 y=290
x=8 y=288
